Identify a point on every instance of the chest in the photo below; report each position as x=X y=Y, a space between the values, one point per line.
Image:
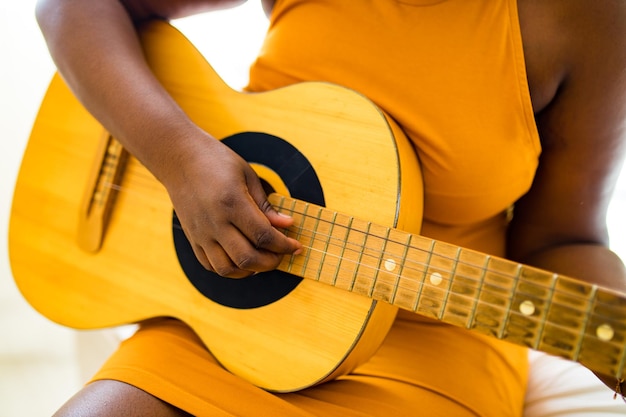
x=451 y=74
x=539 y=29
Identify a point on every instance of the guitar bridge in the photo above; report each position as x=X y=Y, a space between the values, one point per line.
x=100 y=192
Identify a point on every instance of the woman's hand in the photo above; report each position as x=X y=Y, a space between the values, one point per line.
x=224 y=212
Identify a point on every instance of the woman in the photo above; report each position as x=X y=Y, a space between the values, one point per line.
x=507 y=103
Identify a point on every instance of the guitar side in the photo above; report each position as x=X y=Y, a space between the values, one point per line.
x=316 y=331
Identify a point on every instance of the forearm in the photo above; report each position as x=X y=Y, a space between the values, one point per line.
x=593 y=263
x=96 y=49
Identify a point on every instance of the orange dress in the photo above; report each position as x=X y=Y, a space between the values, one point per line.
x=452 y=74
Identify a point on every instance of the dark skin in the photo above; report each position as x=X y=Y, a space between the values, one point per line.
x=575 y=56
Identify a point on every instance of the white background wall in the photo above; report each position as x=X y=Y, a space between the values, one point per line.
x=37 y=359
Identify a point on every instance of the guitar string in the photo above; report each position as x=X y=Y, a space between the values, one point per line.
x=418 y=268
x=147 y=176
x=513 y=279
x=457 y=284
x=120 y=188
x=583 y=334
x=440 y=311
x=379 y=256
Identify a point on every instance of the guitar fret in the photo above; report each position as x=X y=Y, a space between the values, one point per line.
x=504 y=329
x=324 y=237
x=359 y=250
x=310 y=253
x=545 y=311
x=298 y=235
x=416 y=255
x=403 y=262
x=565 y=320
x=342 y=252
x=495 y=297
x=452 y=272
x=369 y=261
x=429 y=255
x=481 y=284
x=379 y=273
x=603 y=342
x=585 y=323
x=464 y=288
x=280 y=206
x=390 y=265
x=437 y=281
x=622 y=363
x=310 y=263
x=528 y=299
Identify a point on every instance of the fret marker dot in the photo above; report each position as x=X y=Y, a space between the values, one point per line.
x=436 y=278
x=605 y=332
x=527 y=308
x=390 y=265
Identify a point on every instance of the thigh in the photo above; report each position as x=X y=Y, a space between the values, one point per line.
x=421 y=369
x=113 y=398
x=426 y=368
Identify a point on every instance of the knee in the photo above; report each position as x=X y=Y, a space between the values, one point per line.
x=113 y=398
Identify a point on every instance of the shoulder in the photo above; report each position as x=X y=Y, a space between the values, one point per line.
x=572 y=41
x=597 y=36
x=592 y=90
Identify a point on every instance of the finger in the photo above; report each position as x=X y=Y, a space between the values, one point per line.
x=256 y=227
x=247 y=257
x=264 y=234
x=219 y=262
x=197 y=251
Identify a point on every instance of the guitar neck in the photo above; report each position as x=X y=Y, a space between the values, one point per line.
x=494 y=296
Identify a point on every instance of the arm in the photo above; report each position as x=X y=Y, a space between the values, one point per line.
x=560 y=225
x=96 y=49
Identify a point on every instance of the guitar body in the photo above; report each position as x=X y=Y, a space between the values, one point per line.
x=311 y=140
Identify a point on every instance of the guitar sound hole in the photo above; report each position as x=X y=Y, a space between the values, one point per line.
x=268 y=287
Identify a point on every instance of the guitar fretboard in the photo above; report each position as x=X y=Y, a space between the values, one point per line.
x=504 y=299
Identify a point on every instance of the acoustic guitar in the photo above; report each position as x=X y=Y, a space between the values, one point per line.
x=94 y=242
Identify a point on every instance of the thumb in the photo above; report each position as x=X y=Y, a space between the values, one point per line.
x=278 y=219
x=259 y=195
